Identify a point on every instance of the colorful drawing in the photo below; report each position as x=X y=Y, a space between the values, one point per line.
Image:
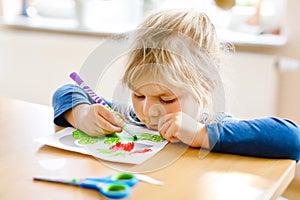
x=122 y=147
x=85 y=139
x=114 y=138
x=117 y=147
x=127 y=147
x=99 y=100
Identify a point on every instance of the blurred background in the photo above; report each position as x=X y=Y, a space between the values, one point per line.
x=42 y=38
x=42 y=41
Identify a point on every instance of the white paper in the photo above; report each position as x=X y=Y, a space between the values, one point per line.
x=118 y=148
x=63 y=140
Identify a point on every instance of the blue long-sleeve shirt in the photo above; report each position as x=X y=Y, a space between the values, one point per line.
x=266 y=137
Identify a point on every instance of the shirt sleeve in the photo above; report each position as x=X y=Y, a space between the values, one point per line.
x=266 y=137
x=65 y=98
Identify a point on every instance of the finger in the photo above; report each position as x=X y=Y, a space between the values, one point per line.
x=163 y=127
x=95 y=133
x=106 y=126
x=163 y=121
x=107 y=115
x=171 y=132
x=168 y=131
x=174 y=140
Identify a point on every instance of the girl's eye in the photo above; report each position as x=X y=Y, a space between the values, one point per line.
x=139 y=96
x=169 y=101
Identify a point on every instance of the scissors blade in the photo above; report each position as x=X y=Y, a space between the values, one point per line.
x=72 y=181
x=148 y=179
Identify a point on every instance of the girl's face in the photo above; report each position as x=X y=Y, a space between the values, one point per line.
x=152 y=101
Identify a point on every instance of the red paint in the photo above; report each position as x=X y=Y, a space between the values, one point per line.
x=127 y=147
x=122 y=146
x=142 y=151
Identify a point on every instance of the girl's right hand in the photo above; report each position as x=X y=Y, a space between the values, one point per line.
x=94 y=120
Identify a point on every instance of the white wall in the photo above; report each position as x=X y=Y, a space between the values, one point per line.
x=34 y=64
x=251 y=85
x=289 y=95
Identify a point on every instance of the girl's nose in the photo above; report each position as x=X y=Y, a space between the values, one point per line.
x=153 y=109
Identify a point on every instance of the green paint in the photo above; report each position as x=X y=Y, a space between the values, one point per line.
x=86 y=139
x=114 y=138
x=113 y=153
x=135 y=138
x=150 y=137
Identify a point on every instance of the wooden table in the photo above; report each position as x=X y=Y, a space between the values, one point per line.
x=217 y=176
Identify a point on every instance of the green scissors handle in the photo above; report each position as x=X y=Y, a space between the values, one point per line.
x=115 y=186
x=110 y=190
x=122 y=178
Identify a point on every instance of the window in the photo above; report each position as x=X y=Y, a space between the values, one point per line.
x=258 y=16
x=257 y=22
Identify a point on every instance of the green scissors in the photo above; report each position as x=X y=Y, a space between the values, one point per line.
x=116 y=186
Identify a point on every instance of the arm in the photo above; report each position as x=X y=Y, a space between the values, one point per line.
x=73 y=107
x=65 y=98
x=267 y=137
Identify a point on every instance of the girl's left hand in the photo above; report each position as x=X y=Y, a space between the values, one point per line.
x=179 y=126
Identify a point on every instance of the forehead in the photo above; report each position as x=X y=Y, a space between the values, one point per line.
x=155 y=89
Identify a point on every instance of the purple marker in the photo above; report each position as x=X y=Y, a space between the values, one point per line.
x=97 y=98
x=88 y=90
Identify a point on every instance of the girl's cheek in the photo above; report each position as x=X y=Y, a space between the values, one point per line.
x=137 y=109
x=176 y=107
x=190 y=107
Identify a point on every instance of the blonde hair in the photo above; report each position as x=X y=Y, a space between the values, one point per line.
x=179 y=47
